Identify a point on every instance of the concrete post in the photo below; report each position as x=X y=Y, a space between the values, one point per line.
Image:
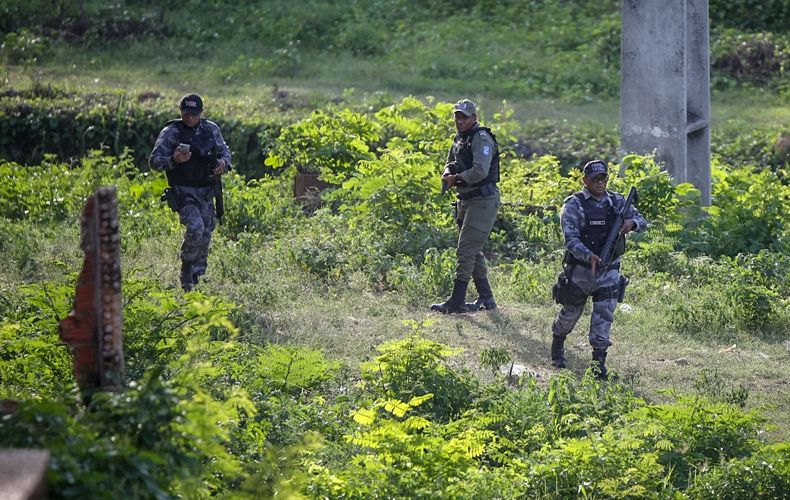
x=665 y=87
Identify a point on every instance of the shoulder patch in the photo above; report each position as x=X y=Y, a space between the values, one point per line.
x=483 y=133
x=486 y=150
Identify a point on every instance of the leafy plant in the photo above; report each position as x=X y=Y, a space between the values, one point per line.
x=416 y=367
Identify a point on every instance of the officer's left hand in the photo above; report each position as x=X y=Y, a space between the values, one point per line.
x=628 y=226
x=221 y=167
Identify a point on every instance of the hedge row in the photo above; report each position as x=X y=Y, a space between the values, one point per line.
x=44 y=121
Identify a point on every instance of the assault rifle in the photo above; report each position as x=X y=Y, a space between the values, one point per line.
x=219 y=204
x=607 y=254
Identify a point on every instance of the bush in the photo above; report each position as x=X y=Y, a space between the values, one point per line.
x=759 y=58
x=763 y=476
x=417 y=367
x=751 y=15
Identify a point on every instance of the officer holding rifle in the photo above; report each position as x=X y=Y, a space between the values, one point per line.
x=590 y=266
x=192 y=154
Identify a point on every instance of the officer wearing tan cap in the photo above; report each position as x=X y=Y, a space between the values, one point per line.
x=472 y=166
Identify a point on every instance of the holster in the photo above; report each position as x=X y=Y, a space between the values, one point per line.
x=566 y=292
x=173 y=198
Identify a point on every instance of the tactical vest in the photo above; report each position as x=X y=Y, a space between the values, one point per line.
x=197 y=171
x=598 y=222
x=462 y=147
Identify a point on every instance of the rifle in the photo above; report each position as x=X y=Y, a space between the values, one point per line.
x=607 y=254
x=219 y=205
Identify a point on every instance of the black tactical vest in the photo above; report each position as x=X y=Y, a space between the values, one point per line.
x=197 y=171
x=462 y=147
x=597 y=223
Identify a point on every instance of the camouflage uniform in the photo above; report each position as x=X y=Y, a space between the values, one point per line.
x=197 y=211
x=573 y=220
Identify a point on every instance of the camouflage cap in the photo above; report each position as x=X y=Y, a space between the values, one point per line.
x=192 y=104
x=466 y=107
x=594 y=167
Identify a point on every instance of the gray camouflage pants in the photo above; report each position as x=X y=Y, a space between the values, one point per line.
x=199 y=221
x=602 y=313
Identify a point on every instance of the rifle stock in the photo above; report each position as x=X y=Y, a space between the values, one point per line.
x=607 y=254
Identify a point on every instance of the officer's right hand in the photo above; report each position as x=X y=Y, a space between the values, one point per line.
x=594 y=260
x=449 y=180
x=181 y=157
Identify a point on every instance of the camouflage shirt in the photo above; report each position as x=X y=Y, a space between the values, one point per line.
x=161 y=158
x=572 y=217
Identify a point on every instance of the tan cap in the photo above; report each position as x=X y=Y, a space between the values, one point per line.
x=466 y=107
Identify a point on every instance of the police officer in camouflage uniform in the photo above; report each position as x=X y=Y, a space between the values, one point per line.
x=473 y=168
x=587 y=218
x=190 y=173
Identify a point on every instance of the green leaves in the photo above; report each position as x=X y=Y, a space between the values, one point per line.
x=328 y=143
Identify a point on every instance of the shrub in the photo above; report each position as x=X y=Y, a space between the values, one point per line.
x=416 y=367
x=764 y=475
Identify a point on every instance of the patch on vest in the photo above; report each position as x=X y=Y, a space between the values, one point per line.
x=597 y=222
x=486 y=151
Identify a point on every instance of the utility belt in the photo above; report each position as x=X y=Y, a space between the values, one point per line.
x=616 y=291
x=566 y=292
x=484 y=190
x=176 y=198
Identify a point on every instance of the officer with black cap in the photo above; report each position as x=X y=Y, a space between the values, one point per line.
x=191 y=152
x=587 y=218
x=472 y=166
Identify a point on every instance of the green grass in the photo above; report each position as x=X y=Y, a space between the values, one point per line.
x=731 y=111
x=346 y=320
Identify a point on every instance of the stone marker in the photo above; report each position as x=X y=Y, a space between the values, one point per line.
x=93 y=330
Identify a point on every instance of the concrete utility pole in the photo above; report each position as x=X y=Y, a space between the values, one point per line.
x=665 y=87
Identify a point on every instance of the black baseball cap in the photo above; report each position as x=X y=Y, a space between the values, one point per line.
x=192 y=104
x=595 y=167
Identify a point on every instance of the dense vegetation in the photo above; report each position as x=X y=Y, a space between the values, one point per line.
x=308 y=366
x=219 y=405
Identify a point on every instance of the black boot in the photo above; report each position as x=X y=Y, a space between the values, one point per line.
x=485 y=297
x=457 y=302
x=599 y=364
x=186 y=276
x=558 y=353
